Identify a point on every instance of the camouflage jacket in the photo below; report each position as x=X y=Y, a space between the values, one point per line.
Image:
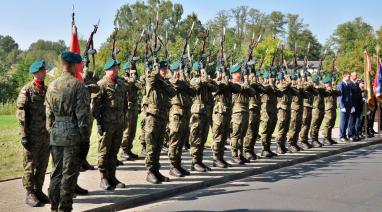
x=269 y=99
x=255 y=99
x=284 y=96
x=240 y=98
x=133 y=86
x=330 y=98
x=318 y=98
x=30 y=110
x=181 y=101
x=223 y=95
x=297 y=99
x=67 y=110
x=309 y=92
x=110 y=103
x=202 y=86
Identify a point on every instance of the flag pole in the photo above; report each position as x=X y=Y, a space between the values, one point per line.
x=377 y=102
x=366 y=104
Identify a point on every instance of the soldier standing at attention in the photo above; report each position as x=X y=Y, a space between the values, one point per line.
x=318 y=111
x=268 y=115
x=34 y=136
x=306 y=118
x=240 y=110
x=330 y=100
x=109 y=109
x=177 y=120
x=141 y=137
x=158 y=93
x=134 y=85
x=284 y=99
x=199 y=124
x=67 y=111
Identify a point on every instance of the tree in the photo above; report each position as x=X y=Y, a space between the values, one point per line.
x=295 y=27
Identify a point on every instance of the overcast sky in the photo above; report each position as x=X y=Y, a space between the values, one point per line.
x=27 y=21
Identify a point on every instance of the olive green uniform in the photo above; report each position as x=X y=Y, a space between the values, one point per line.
x=67 y=111
x=199 y=124
x=178 y=120
x=158 y=93
x=143 y=111
x=318 y=113
x=330 y=101
x=109 y=109
x=284 y=100
x=134 y=86
x=296 y=114
x=31 y=116
x=309 y=92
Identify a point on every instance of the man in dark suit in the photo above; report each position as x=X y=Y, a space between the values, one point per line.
x=346 y=105
x=355 y=117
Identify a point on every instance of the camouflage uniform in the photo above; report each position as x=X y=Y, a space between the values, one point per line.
x=109 y=109
x=143 y=114
x=309 y=92
x=318 y=113
x=330 y=102
x=134 y=86
x=67 y=111
x=158 y=92
x=31 y=115
x=296 y=114
x=199 y=124
x=284 y=100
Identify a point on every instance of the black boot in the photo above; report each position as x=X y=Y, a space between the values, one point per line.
x=42 y=197
x=292 y=148
x=281 y=149
x=304 y=145
x=105 y=185
x=184 y=171
x=143 y=151
x=115 y=183
x=250 y=156
x=129 y=156
x=86 y=166
x=175 y=171
x=32 y=200
x=219 y=164
x=186 y=146
x=327 y=142
x=160 y=177
x=198 y=167
x=80 y=191
x=316 y=144
x=267 y=153
x=237 y=160
x=151 y=178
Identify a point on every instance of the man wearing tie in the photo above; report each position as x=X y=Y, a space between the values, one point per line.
x=346 y=105
x=355 y=117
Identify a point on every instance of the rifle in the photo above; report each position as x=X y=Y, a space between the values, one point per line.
x=183 y=54
x=147 y=52
x=334 y=73
x=156 y=47
x=306 y=56
x=164 y=44
x=274 y=55
x=322 y=60
x=263 y=59
x=249 y=60
x=295 y=57
x=203 y=55
x=114 y=51
x=134 y=57
x=221 y=59
x=89 y=49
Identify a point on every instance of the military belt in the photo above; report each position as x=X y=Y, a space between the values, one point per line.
x=63 y=118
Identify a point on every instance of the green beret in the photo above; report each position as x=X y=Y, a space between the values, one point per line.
x=71 y=57
x=258 y=74
x=235 y=68
x=266 y=75
x=36 y=66
x=279 y=76
x=196 y=66
x=110 y=64
x=315 y=78
x=126 y=66
x=326 y=79
x=272 y=72
x=163 y=64
x=175 y=66
x=217 y=69
x=293 y=77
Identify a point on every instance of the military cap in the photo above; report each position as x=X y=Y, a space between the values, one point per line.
x=326 y=79
x=196 y=66
x=235 y=68
x=257 y=73
x=279 y=76
x=315 y=78
x=36 y=66
x=266 y=75
x=163 y=64
x=71 y=57
x=272 y=72
x=110 y=64
x=218 y=68
x=126 y=66
x=175 y=66
x=293 y=77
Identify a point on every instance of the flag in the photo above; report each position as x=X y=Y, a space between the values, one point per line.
x=75 y=47
x=368 y=83
x=378 y=82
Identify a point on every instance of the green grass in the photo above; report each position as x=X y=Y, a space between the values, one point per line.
x=8 y=108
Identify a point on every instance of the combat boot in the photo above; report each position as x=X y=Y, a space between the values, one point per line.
x=304 y=145
x=80 y=191
x=186 y=146
x=205 y=166
x=115 y=183
x=184 y=171
x=197 y=167
x=174 y=171
x=281 y=148
x=237 y=160
x=151 y=178
x=104 y=184
x=160 y=177
x=42 y=197
x=219 y=164
x=86 y=165
x=327 y=142
x=129 y=156
x=250 y=156
x=143 y=151
x=316 y=144
x=333 y=141
x=32 y=200
x=267 y=153
x=118 y=163
x=292 y=148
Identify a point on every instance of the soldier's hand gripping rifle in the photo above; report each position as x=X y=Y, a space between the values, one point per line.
x=203 y=54
x=249 y=62
x=157 y=47
x=133 y=57
x=183 y=55
x=147 y=52
x=221 y=58
x=263 y=59
x=114 y=51
x=89 y=50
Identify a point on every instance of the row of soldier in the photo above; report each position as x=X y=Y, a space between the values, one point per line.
x=236 y=106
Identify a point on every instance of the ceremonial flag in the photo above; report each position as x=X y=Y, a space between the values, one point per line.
x=378 y=82
x=368 y=83
x=75 y=47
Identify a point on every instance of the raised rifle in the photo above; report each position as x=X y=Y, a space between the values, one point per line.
x=114 y=51
x=263 y=59
x=274 y=55
x=89 y=49
x=183 y=55
x=306 y=56
x=133 y=57
x=322 y=59
x=164 y=44
x=221 y=58
x=203 y=57
x=155 y=34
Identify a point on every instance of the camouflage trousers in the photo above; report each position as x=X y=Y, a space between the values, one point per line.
x=252 y=131
x=85 y=154
x=177 y=126
x=329 y=121
x=220 y=132
x=187 y=116
x=283 y=121
x=35 y=162
x=306 y=123
x=155 y=127
x=239 y=126
x=63 y=179
x=130 y=130
x=143 y=123
x=294 y=126
x=199 y=126
x=108 y=148
x=318 y=116
x=267 y=126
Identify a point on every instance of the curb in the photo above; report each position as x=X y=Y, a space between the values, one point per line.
x=141 y=200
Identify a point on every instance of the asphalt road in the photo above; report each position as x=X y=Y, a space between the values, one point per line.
x=351 y=181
